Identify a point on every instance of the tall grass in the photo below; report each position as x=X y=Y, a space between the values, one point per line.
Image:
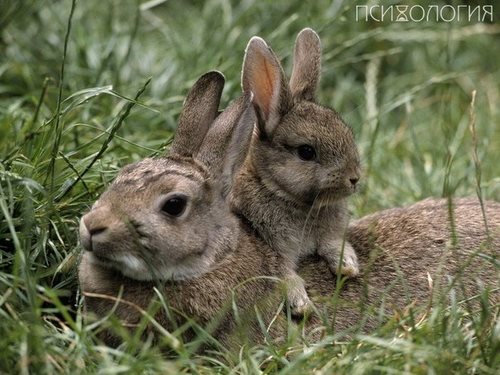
x=89 y=86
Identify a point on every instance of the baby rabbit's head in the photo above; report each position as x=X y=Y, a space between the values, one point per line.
x=166 y=218
x=303 y=150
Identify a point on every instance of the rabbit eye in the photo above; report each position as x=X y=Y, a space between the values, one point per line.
x=306 y=152
x=174 y=206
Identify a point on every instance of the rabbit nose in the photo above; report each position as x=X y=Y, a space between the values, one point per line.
x=354 y=181
x=94 y=230
x=91 y=225
x=85 y=236
x=94 y=225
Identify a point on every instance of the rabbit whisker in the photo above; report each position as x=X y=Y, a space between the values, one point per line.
x=308 y=217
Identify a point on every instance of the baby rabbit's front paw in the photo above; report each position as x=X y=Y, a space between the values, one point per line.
x=350 y=266
x=297 y=297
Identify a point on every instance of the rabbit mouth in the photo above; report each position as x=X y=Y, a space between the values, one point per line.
x=127 y=264
x=136 y=268
x=103 y=261
x=330 y=195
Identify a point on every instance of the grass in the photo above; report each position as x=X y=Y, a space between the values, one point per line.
x=85 y=90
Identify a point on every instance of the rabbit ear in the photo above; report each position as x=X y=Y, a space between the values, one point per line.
x=240 y=144
x=263 y=76
x=228 y=138
x=199 y=111
x=306 y=65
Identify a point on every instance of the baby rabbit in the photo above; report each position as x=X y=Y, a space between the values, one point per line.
x=164 y=222
x=302 y=165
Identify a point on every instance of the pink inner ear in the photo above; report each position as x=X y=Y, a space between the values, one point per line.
x=263 y=79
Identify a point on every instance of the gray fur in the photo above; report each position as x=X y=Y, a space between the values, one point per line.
x=306 y=65
x=298 y=207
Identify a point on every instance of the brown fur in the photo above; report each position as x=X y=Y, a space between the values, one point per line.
x=205 y=300
x=402 y=249
x=397 y=248
x=199 y=111
x=197 y=258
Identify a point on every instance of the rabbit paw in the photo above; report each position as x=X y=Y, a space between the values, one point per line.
x=350 y=266
x=299 y=301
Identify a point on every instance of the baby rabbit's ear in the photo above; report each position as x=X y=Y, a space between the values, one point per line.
x=225 y=147
x=263 y=75
x=199 y=111
x=306 y=65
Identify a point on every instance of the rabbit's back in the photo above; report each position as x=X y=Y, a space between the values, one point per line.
x=408 y=255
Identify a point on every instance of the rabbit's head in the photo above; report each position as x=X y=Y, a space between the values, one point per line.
x=302 y=149
x=166 y=218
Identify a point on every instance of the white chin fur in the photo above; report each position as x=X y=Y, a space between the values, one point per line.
x=128 y=265
x=135 y=268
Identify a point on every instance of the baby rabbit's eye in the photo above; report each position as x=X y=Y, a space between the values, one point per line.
x=174 y=206
x=306 y=152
